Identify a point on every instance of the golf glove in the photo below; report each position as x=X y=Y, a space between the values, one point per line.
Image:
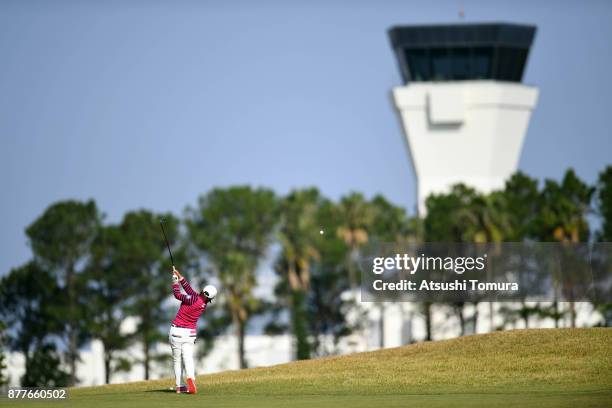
x=175 y=278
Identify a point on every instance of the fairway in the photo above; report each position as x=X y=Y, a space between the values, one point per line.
x=542 y=368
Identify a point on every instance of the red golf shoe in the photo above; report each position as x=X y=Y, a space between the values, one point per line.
x=191 y=387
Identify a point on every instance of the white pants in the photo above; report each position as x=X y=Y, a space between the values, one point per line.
x=182 y=343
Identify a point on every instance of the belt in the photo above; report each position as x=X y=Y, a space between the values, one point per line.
x=182 y=327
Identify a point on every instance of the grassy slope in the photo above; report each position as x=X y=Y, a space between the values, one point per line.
x=546 y=367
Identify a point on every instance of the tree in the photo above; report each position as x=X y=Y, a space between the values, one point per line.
x=3 y=379
x=60 y=239
x=601 y=251
x=299 y=235
x=565 y=206
x=523 y=202
x=464 y=215
x=563 y=219
x=356 y=217
x=232 y=228
x=604 y=204
x=521 y=207
x=451 y=217
x=29 y=300
x=490 y=219
x=492 y=224
x=141 y=255
x=109 y=279
x=43 y=368
x=390 y=225
x=327 y=306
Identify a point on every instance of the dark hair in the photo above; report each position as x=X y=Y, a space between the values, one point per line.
x=207 y=300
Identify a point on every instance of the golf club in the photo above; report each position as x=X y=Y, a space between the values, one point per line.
x=161 y=223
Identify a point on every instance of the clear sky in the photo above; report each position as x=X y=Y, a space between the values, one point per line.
x=151 y=103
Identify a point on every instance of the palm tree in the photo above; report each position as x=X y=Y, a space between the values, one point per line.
x=604 y=211
x=356 y=220
x=451 y=217
x=390 y=225
x=232 y=229
x=491 y=225
x=298 y=236
x=522 y=205
x=604 y=203
x=565 y=207
x=464 y=215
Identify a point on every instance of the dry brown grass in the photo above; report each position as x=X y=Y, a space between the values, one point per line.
x=511 y=361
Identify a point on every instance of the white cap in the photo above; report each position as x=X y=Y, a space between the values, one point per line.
x=210 y=291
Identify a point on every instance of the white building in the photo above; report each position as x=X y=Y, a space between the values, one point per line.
x=463 y=108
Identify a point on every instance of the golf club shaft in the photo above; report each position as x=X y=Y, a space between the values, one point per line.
x=161 y=223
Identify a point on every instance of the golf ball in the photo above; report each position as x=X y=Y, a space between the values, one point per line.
x=321 y=232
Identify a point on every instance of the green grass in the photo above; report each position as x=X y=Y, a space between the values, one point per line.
x=521 y=368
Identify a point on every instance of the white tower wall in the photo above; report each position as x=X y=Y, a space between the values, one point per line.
x=467 y=132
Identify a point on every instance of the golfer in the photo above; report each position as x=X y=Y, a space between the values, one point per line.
x=183 y=329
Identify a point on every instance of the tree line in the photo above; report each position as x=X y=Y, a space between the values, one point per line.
x=86 y=276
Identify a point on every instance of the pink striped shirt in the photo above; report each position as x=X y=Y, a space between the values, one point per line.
x=192 y=305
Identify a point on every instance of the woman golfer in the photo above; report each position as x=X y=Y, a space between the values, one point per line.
x=183 y=329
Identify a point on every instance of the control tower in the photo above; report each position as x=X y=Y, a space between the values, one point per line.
x=463 y=107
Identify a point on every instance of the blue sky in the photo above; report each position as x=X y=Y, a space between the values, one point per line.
x=149 y=104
